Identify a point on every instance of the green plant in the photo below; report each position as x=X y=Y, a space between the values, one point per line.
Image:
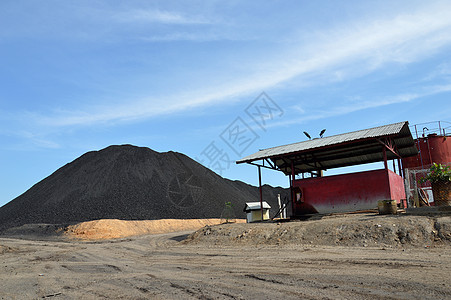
x=437 y=173
x=227 y=214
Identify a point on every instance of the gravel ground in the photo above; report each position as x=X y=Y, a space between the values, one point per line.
x=222 y=265
x=160 y=267
x=361 y=230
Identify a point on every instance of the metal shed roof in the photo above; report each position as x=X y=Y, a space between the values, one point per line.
x=256 y=206
x=353 y=148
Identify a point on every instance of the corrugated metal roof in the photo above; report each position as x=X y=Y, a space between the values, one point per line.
x=256 y=206
x=339 y=150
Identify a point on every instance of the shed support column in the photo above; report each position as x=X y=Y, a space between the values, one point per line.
x=260 y=188
x=291 y=193
x=292 y=188
x=384 y=151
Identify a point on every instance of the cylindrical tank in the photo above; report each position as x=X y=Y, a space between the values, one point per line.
x=432 y=149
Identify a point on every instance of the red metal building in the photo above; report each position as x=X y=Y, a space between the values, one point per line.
x=346 y=192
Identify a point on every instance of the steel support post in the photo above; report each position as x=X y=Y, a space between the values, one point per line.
x=384 y=151
x=260 y=188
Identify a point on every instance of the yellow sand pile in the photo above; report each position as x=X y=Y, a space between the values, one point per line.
x=113 y=228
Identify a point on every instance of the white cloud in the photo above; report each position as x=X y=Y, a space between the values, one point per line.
x=403 y=39
x=297 y=108
x=361 y=105
x=33 y=140
x=184 y=36
x=443 y=71
x=356 y=49
x=159 y=16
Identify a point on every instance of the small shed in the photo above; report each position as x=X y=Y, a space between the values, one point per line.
x=255 y=211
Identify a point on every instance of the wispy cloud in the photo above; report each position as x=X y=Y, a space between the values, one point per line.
x=351 y=50
x=159 y=16
x=404 y=39
x=361 y=105
x=185 y=36
x=32 y=140
x=443 y=71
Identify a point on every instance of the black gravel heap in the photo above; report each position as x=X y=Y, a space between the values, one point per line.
x=131 y=183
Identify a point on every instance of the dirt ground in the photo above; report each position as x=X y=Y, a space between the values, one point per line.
x=240 y=261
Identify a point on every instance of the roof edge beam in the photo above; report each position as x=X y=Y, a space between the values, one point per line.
x=263 y=166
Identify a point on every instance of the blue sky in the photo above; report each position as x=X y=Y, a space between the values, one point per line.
x=176 y=75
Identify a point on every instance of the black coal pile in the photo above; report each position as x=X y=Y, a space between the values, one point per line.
x=131 y=183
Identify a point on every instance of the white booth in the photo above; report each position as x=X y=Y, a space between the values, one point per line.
x=254 y=212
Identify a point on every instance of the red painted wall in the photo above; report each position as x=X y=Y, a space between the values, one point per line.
x=397 y=190
x=348 y=192
x=433 y=148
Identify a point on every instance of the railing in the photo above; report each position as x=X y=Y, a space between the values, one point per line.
x=437 y=127
x=413 y=185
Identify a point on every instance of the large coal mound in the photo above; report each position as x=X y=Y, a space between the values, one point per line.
x=131 y=183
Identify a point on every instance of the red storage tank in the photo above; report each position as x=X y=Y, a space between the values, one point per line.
x=433 y=148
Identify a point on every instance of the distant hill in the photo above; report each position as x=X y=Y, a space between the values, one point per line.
x=131 y=183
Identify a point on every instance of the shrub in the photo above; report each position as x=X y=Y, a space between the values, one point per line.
x=438 y=173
